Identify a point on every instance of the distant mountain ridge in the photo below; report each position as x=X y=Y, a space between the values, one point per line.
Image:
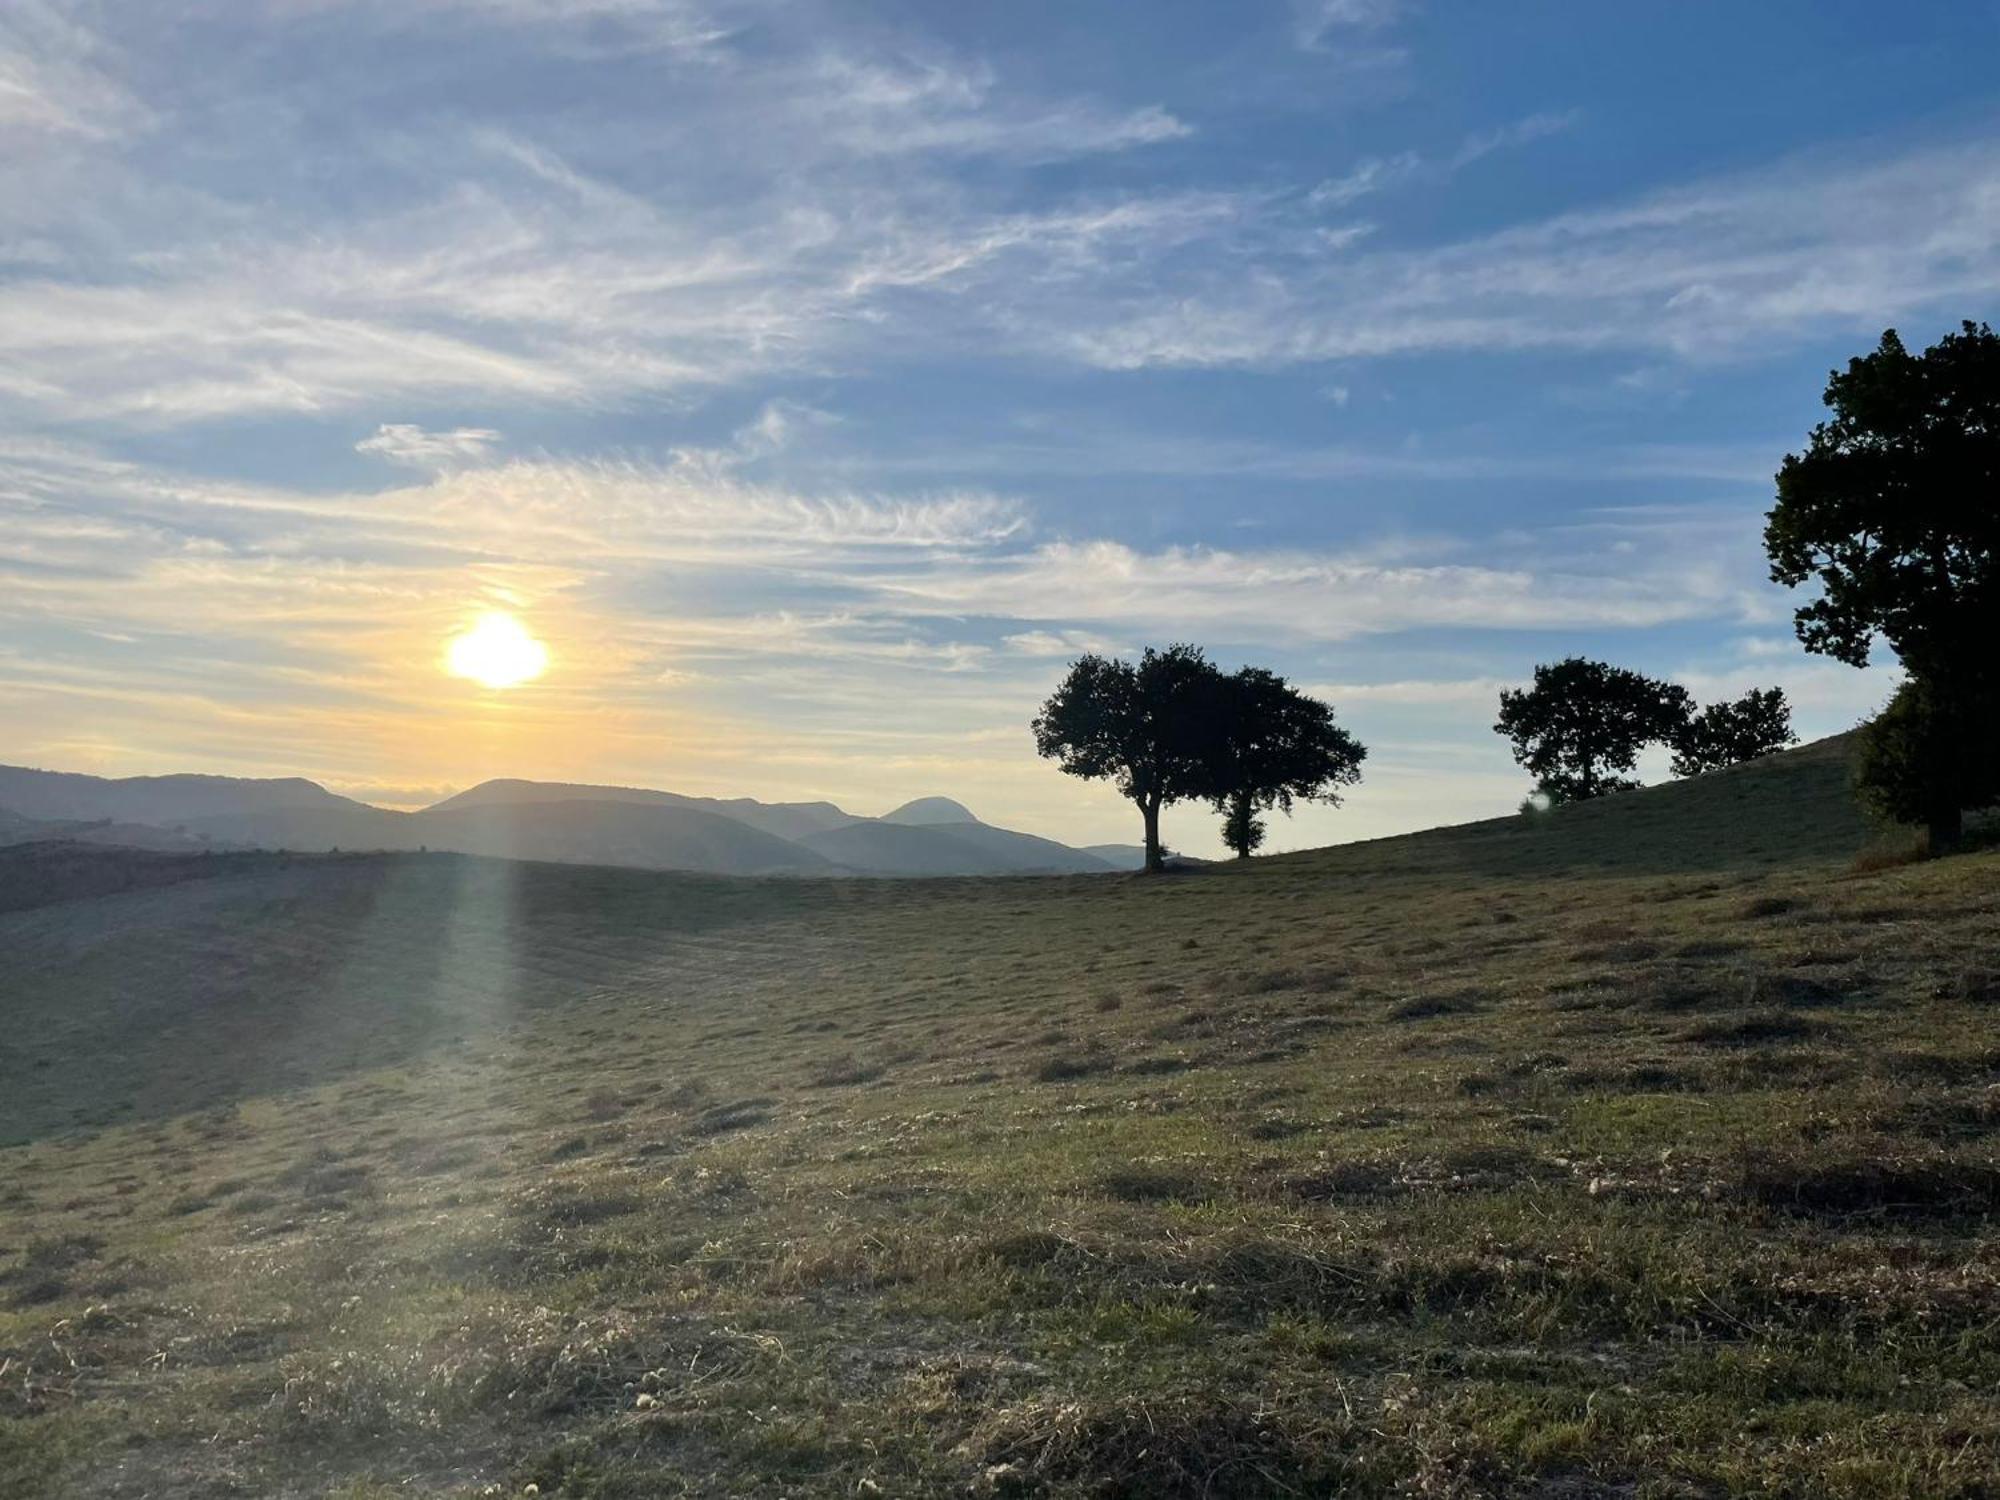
x=787 y=820
x=159 y=800
x=927 y=811
x=561 y=822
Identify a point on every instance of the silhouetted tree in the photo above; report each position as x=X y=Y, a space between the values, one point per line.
x=1924 y=759
x=1727 y=734
x=1242 y=829
x=1585 y=722
x=1149 y=726
x=1894 y=511
x=1275 y=745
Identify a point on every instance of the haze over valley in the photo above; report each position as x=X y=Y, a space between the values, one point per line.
x=537 y=820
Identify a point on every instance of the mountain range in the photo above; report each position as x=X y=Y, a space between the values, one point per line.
x=541 y=820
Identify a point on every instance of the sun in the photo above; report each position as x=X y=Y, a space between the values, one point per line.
x=496 y=651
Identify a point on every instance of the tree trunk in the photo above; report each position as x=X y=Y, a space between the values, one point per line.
x=1150 y=809
x=1945 y=830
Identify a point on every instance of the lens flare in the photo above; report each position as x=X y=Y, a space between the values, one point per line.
x=496 y=651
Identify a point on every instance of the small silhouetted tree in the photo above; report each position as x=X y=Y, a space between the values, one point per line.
x=1581 y=727
x=1728 y=734
x=1275 y=746
x=1148 y=726
x=1925 y=758
x=1892 y=511
x=1242 y=829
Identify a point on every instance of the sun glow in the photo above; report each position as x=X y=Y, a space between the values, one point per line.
x=496 y=651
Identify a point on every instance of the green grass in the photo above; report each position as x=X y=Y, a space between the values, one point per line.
x=1645 y=1148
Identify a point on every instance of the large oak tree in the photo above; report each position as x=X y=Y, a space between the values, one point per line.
x=1893 y=511
x=1149 y=726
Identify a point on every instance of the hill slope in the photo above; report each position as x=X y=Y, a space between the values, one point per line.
x=1645 y=1151
x=15 y=829
x=1021 y=852
x=1794 y=806
x=892 y=849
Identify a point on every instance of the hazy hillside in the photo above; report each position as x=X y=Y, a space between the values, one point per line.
x=561 y=821
x=1022 y=851
x=785 y=820
x=892 y=849
x=160 y=800
x=651 y=836
x=349 y=826
x=1118 y=856
x=15 y=829
x=1522 y=1158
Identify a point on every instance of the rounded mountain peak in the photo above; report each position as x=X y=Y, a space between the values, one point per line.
x=930 y=810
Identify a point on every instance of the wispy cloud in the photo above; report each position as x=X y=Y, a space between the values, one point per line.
x=1370 y=175
x=876 y=107
x=194 y=554
x=56 y=76
x=1698 y=272
x=503 y=290
x=1059 y=643
x=540 y=282
x=418 y=447
x=1521 y=132
x=1377 y=174
x=1316 y=22
x=577 y=27
x=863 y=203
x=1301 y=596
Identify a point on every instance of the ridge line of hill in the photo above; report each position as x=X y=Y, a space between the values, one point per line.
x=561 y=822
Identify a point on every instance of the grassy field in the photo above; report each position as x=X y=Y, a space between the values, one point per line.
x=1646 y=1148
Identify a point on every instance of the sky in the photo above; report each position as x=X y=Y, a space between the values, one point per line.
x=815 y=381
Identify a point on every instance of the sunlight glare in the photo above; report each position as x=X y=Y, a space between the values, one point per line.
x=496 y=651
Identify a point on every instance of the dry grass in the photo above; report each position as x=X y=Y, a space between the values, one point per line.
x=1537 y=1158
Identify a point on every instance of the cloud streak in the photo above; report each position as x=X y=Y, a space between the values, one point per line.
x=124 y=550
x=1699 y=273
x=409 y=444
x=57 y=77
x=864 y=206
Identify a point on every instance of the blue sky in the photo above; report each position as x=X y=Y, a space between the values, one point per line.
x=816 y=379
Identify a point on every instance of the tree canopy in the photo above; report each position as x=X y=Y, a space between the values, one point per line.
x=1893 y=511
x=1580 y=728
x=1148 y=726
x=1727 y=734
x=1276 y=746
x=1172 y=727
